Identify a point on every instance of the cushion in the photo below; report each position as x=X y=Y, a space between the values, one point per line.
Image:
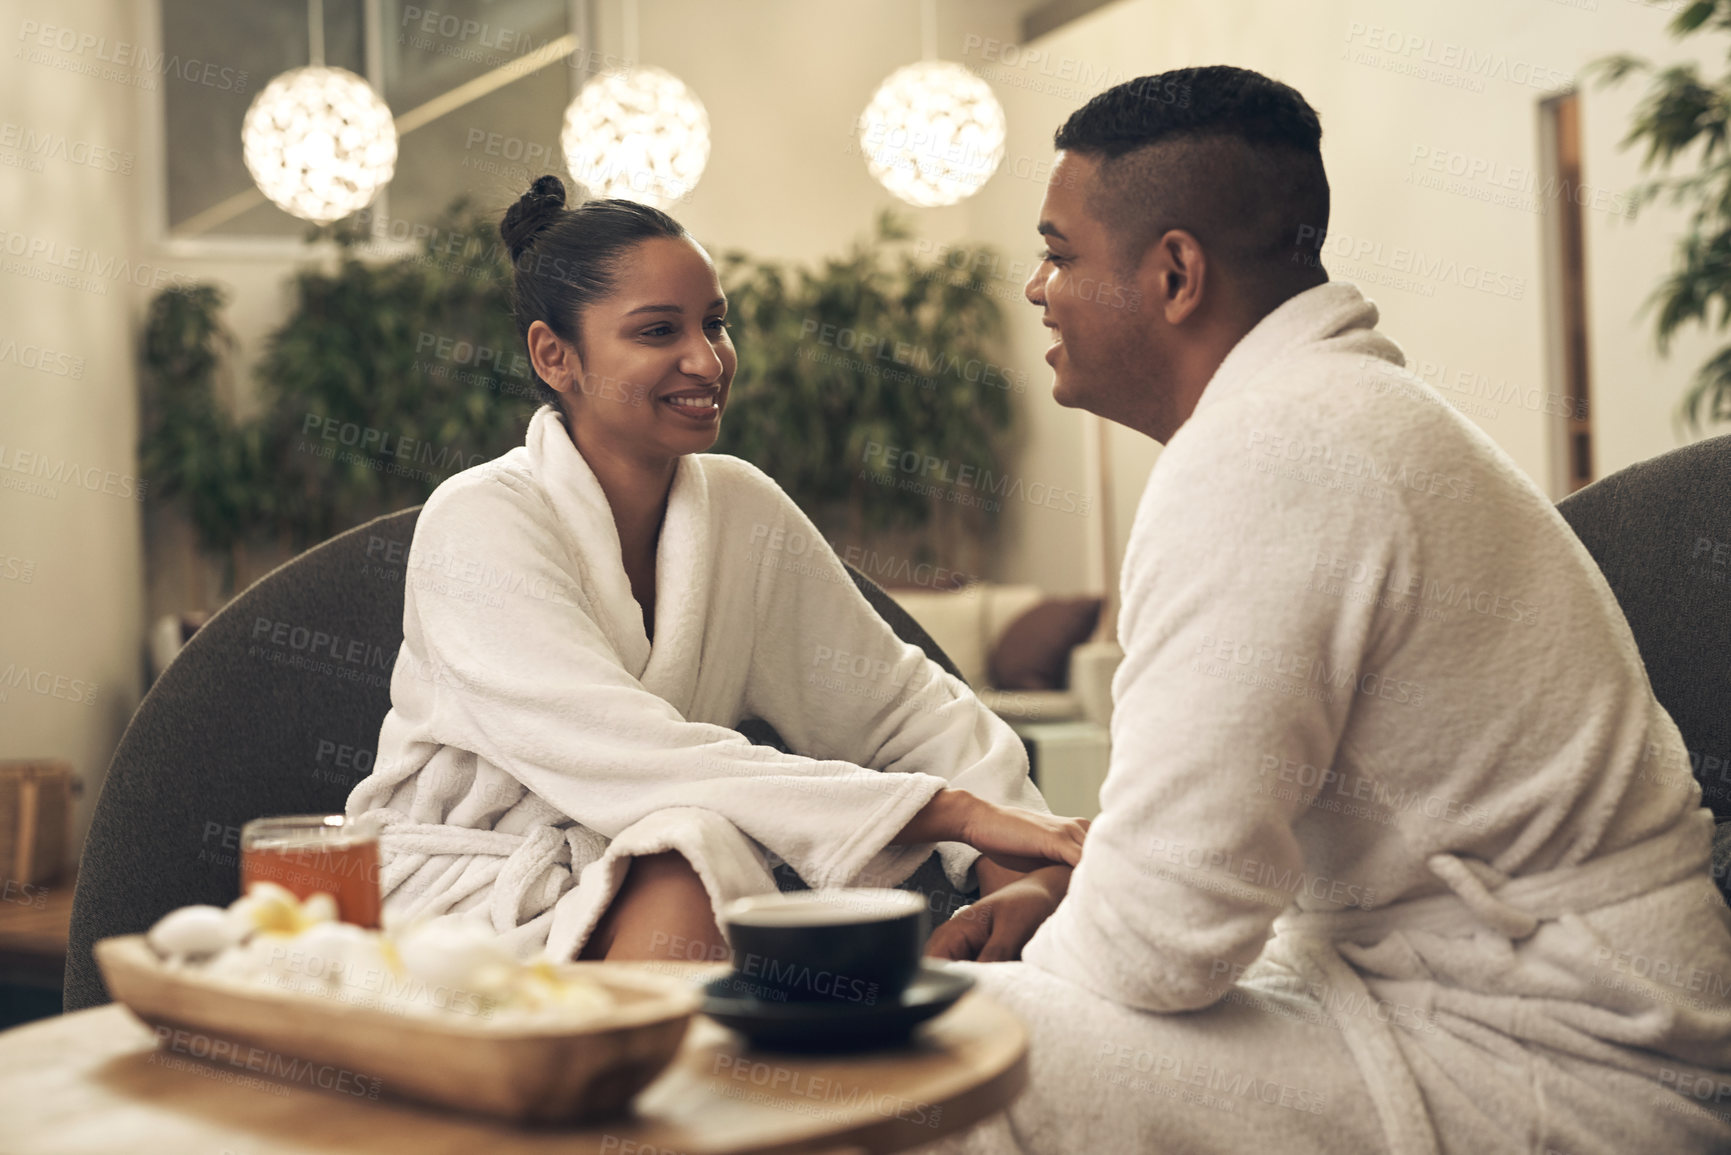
x=952 y=619
x=1004 y=604
x=1034 y=651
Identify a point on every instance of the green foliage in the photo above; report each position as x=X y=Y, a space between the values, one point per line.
x=191 y=449
x=380 y=366
x=381 y=355
x=373 y=390
x=874 y=347
x=1683 y=120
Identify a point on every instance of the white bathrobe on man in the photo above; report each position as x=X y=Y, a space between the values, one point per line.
x=537 y=740
x=1379 y=704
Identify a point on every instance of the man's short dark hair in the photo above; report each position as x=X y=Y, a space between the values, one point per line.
x=1224 y=153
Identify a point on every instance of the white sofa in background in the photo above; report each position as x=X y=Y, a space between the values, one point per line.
x=968 y=622
x=1067 y=731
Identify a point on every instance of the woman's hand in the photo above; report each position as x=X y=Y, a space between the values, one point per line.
x=1023 y=840
x=1018 y=840
x=997 y=927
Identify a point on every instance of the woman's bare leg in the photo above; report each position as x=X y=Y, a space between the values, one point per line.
x=662 y=911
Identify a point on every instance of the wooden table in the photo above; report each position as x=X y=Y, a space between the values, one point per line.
x=92 y=1083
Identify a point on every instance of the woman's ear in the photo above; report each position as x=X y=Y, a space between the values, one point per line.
x=555 y=359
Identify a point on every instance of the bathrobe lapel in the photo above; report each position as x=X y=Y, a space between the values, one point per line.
x=683 y=563
x=585 y=520
x=669 y=669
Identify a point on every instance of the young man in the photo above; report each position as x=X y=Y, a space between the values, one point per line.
x=1397 y=851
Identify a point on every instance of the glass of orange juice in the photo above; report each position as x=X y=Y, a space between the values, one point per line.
x=307 y=853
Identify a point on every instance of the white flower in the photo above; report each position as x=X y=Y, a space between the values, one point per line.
x=192 y=931
x=270 y=909
x=460 y=955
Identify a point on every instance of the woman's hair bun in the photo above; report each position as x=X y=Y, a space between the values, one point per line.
x=534 y=211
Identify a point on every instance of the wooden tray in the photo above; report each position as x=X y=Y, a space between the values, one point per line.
x=527 y=1072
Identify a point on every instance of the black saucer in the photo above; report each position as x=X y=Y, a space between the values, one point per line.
x=830 y=1025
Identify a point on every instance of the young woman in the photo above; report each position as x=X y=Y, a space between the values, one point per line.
x=588 y=617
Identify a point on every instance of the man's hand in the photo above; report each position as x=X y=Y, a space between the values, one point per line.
x=995 y=928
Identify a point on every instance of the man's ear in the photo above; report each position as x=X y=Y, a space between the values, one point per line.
x=555 y=359
x=1174 y=275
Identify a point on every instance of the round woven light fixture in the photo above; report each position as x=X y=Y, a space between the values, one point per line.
x=319 y=142
x=933 y=133
x=640 y=134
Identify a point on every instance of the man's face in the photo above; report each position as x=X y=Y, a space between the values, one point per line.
x=1104 y=352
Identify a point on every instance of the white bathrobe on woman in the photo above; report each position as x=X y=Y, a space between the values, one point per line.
x=537 y=740
x=1397 y=851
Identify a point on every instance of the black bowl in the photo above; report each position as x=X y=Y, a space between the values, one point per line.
x=828 y=1027
x=856 y=946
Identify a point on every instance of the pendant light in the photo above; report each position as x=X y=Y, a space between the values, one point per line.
x=933 y=132
x=318 y=141
x=639 y=133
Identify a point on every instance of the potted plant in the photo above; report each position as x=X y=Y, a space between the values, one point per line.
x=871 y=360
x=1683 y=109
x=390 y=375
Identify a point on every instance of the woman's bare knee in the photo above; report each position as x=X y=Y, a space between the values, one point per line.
x=662 y=911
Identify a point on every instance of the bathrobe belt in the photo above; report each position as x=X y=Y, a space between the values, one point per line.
x=1480 y=899
x=512 y=864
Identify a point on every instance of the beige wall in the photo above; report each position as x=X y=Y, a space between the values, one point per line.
x=75 y=624
x=1375 y=121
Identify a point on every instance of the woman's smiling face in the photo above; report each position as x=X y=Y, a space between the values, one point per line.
x=656 y=361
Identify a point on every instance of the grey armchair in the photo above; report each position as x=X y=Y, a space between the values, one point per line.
x=1661 y=533
x=274 y=707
